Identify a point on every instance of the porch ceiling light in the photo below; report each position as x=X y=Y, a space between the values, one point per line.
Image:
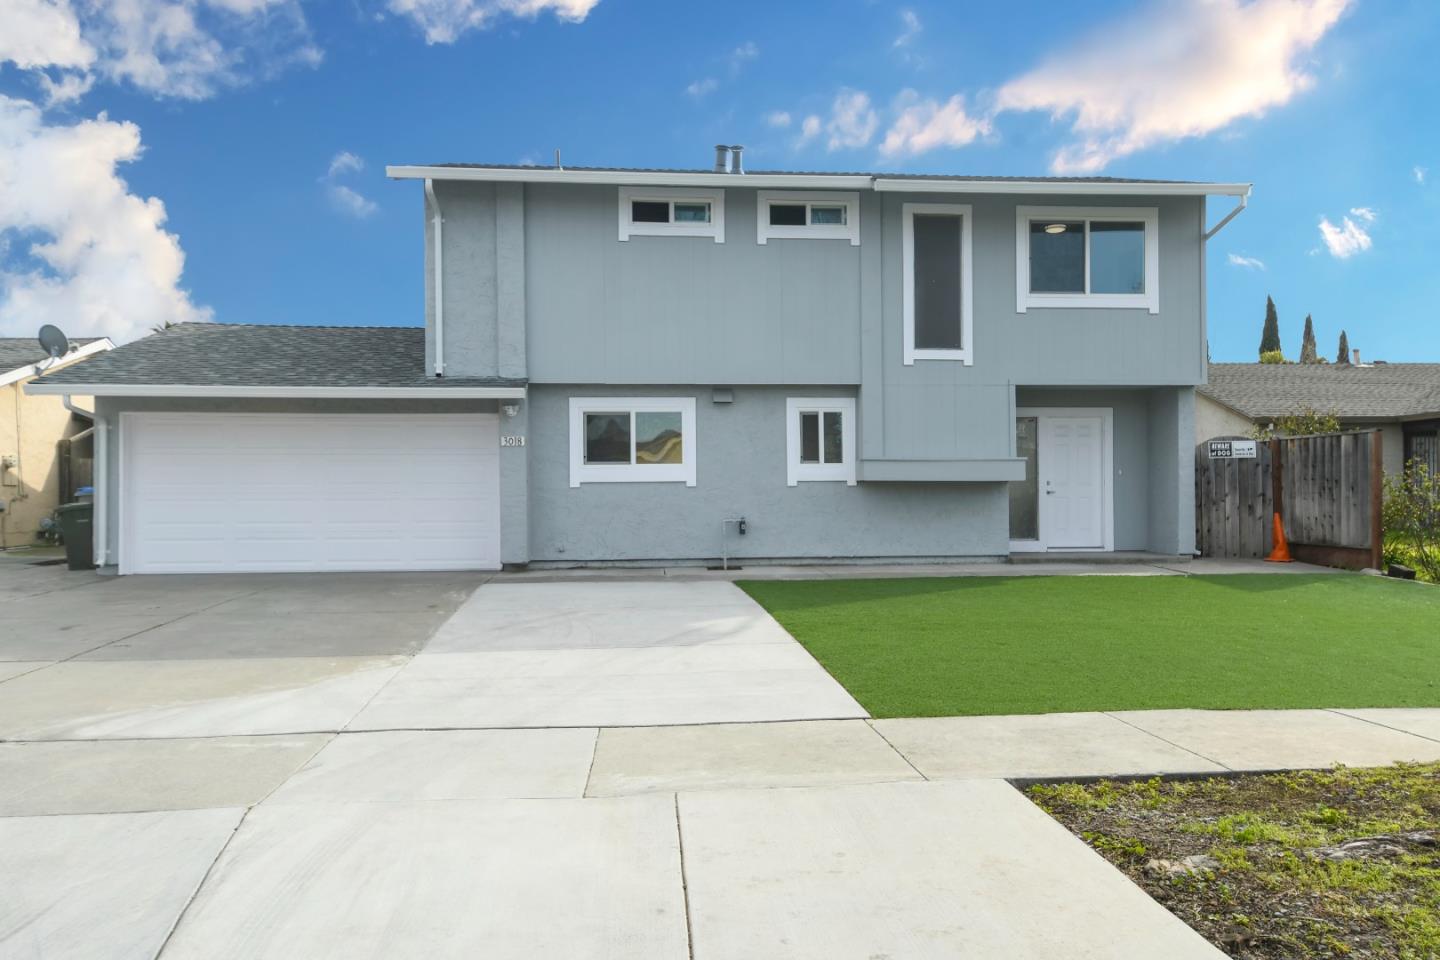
x=1055 y=228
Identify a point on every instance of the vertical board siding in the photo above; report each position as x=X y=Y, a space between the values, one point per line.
x=1330 y=486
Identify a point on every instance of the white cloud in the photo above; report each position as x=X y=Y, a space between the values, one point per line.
x=1183 y=68
x=1349 y=238
x=910 y=28
x=1363 y=213
x=1249 y=263
x=43 y=33
x=350 y=202
x=779 y=119
x=345 y=199
x=923 y=125
x=810 y=128
x=743 y=54
x=443 y=21
x=84 y=252
x=702 y=87
x=344 y=162
x=852 y=120
x=734 y=62
x=1419 y=173
x=188 y=49
x=69 y=88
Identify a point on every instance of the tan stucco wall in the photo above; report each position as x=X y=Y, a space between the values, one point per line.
x=1216 y=420
x=30 y=428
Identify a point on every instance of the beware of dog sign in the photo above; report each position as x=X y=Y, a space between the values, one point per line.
x=1232 y=449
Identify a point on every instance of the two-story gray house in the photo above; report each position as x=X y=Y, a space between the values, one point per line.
x=668 y=366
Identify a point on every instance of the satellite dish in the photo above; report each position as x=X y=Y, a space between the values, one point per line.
x=53 y=341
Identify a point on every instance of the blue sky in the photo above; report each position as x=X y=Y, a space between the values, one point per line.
x=225 y=158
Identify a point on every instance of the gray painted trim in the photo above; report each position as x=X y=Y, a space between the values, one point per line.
x=932 y=471
x=510 y=279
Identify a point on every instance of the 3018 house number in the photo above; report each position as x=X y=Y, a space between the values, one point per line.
x=512 y=440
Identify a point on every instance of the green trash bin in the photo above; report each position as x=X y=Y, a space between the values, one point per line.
x=76 y=526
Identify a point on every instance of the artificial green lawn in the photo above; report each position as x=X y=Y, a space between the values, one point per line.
x=994 y=645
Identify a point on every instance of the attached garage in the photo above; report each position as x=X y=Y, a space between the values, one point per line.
x=238 y=492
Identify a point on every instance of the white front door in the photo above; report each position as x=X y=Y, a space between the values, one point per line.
x=1072 y=482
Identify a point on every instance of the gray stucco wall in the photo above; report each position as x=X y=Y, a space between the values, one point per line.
x=110 y=408
x=740 y=461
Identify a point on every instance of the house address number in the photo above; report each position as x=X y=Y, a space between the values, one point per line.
x=512 y=440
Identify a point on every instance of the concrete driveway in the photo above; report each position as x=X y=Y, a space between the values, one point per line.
x=397 y=766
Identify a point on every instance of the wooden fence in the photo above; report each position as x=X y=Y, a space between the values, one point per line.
x=1328 y=488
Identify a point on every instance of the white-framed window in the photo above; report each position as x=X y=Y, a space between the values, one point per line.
x=938 y=303
x=632 y=440
x=1087 y=257
x=820 y=439
x=672 y=212
x=807 y=215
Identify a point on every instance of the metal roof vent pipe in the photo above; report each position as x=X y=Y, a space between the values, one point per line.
x=735 y=165
x=722 y=157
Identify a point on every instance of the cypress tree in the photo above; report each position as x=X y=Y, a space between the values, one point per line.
x=1270 y=338
x=1344 y=355
x=1307 y=343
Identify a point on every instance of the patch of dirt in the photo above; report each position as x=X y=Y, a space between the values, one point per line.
x=1342 y=864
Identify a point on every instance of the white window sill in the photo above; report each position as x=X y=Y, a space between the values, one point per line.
x=1090 y=301
x=822 y=473
x=631 y=473
x=960 y=356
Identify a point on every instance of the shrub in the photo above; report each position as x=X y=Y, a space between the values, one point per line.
x=1303 y=424
x=1412 y=518
x=1273 y=356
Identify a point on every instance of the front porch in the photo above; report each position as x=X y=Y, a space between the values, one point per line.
x=1107 y=472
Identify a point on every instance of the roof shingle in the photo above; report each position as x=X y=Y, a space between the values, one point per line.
x=16 y=352
x=1380 y=391
x=259 y=355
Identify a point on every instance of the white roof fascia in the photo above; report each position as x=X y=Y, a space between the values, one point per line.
x=835 y=181
x=1054 y=187
x=36 y=369
x=340 y=393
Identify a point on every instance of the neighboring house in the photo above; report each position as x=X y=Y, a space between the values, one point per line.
x=31 y=428
x=1402 y=400
x=621 y=365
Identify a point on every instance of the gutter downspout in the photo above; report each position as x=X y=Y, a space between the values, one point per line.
x=101 y=482
x=79 y=411
x=437 y=223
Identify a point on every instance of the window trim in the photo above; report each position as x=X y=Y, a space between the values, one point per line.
x=1149 y=300
x=849 y=230
x=795 y=471
x=582 y=472
x=673 y=195
x=966 y=353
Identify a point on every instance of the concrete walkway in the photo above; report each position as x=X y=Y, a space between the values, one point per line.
x=251 y=767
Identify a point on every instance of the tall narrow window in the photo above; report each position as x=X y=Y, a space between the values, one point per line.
x=937 y=282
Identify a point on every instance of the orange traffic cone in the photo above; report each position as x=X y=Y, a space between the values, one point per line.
x=1281 y=551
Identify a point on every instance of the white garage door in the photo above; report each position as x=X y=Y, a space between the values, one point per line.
x=291 y=492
